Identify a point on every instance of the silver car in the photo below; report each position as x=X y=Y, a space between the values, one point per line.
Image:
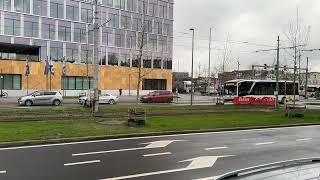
x=42 y=98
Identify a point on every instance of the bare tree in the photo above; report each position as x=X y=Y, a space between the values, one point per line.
x=297 y=35
x=142 y=72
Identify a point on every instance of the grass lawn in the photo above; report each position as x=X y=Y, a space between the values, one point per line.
x=42 y=130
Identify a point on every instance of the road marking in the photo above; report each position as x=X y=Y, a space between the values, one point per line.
x=216 y=148
x=80 y=163
x=148 y=137
x=264 y=143
x=209 y=178
x=196 y=163
x=3 y=172
x=150 y=145
x=305 y=139
x=156 y=154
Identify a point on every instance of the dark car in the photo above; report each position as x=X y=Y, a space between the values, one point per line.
x=158 y=97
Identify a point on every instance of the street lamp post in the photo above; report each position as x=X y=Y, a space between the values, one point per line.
x=209 y=65
x=1 y=79
x=192 y=83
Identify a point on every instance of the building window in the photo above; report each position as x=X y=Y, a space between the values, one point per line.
x=108 y=3
x=131 y=5
x=125 y=22
x=79 y=35
x=64 y=33
x=49 y=31
x=163 y=45
x=114 y=20
x=167 y=64
x=163 y=11
x=135 y=61
x=86 y=56
x=131 y=42
x=143 y=41
x=113 y=59
x=56 y=10
x=116 y=3
x=12 y=27
x=157 y=63
x=137 y=24
x=158 y=27
x=147 y=62
x=5 y=5
x=22 y=6
x=31 y=29
x=119 y=40
x=154 y=84
x=72 y=55
x=37 y=7
x=86 y=15
x=90 y=37
x=105 y=38
x=10 y=81
x=170 y=13
x=125 y=60
x=153 y=9
x=142 y=6
x=153 y=43
x=148 y=26
x=56 y=53
x=76 y=83
x=73 y=13
x=166 y=29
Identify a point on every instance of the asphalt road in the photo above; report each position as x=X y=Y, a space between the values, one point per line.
x=176 y=157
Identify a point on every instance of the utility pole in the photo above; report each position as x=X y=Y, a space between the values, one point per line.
x=277 y=75
x=306 y=83
x=192 y=83
x=294 y=73
x=299 y=76
x=96 y=57
x=209 y=65
x=238 y=63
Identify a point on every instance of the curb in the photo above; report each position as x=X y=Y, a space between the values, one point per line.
x=93 y=138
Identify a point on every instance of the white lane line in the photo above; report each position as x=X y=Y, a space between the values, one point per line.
x=209 y=178
x=216 y=148
x=304 y=139
x=105 y=152
x=149 y=137
x=264 y=143
x=80 y=163
x=3 y=172
x=156 y=154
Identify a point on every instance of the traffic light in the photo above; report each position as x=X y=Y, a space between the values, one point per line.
x=265 y=67
x=285 y=68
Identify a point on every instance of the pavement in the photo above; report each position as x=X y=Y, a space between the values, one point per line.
x=171 y=157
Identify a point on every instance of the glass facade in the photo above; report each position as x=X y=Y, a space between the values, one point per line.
x=56 y=25
x=10 y=81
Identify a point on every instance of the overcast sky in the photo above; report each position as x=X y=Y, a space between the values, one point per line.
x=257 y=22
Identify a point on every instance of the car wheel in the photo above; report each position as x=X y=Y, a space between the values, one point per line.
x=111 y=101
x=28 y=103
x=56 y=102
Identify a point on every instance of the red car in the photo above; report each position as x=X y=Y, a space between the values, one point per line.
x=157 y=97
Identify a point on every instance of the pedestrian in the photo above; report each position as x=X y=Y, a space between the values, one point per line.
x=120 y=92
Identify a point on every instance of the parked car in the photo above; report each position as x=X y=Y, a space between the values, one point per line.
x=103 y=99
x=157 y=97
x=42 y=98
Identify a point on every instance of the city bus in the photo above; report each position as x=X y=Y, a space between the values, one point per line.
x=262 y=90
x=311 y=91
